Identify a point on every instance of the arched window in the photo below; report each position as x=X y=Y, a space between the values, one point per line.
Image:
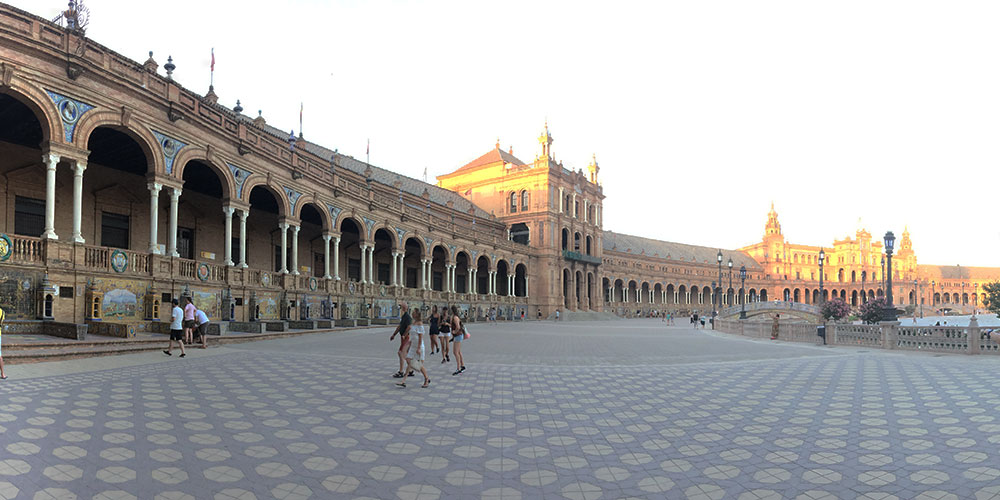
x=513 y=202
x=524 y=200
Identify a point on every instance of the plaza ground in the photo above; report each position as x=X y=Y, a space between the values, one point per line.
x=622 y=409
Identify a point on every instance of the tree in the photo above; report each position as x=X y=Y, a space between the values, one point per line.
x=871 y=312
x=992 y=301
x=835 y=309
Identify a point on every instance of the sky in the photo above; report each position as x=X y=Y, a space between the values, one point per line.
x=701 y=114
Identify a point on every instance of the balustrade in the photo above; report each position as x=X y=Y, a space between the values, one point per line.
x=26 y=250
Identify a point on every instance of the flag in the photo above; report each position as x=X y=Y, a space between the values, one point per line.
x=302 y=107
x=213 y=59
x=468 y=192
x=368 y=146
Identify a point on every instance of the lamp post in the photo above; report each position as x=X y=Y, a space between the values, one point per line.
x=964 y=303
x=889 y=313
x=730 y=278
x=975 y=299
x=743 y=286
x=882 y=286
x=916 y=297
x=933 y=298
x=713 y=304
x=716 y=297
x=822 y=257
x=864 y=295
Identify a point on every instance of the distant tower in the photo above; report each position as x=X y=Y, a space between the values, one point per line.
x=594 y=169
x=905 y=245
x=545 y=140
x=772 y=228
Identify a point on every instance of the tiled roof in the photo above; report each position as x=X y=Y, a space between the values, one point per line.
x=495 y=155
x=958 y=272
x=380 y=175
x=637 y=245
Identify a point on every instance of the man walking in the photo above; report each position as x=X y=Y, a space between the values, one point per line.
x=404 y=324
x=176 y=329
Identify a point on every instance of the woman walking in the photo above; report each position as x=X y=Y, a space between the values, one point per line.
x=434 y=319
x=444 y=334
x=458 y=334
x=415 y=351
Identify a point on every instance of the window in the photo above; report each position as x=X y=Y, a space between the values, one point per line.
x=513 y=202
x=29 y=216
x=114 y=230
x=384 y=273
x=524 y=200
x=520 y=233
x=236 y=250
x=185 y=242
x=354 y=269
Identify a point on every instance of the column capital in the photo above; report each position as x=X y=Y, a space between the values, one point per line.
x=51 y=159
x=282 y=225
x=244 y=213
x=175 y=192
x=228 y=211
x=295 y=228
x=327 y=237
x=79 y=166
x=154 y=188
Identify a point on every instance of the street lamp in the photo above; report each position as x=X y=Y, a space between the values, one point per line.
x=882 y=286
x=714 y=291
x=889 y=313
x=730 y=277
x=933 y=298
x=975 y=299
x=964 y=303
x=822 y=257
x=743 y=286
x=713 y=304
x=916 y=297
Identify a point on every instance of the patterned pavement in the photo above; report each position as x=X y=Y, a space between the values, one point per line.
x=675 y=417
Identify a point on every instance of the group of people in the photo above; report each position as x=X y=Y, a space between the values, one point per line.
x=446 y=332
x=183 y=324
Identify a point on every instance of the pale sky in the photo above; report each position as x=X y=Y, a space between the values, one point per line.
x=700 y=113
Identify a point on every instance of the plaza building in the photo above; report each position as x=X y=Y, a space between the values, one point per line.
x=122 y=189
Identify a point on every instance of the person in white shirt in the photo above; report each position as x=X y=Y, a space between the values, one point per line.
x=202 y=319
x=415 y=354
x=176 y=329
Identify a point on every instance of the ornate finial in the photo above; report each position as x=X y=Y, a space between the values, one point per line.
x=498 y=143
x=170 y=67
x=238 y=109
x=150 y=65
x=291 y=141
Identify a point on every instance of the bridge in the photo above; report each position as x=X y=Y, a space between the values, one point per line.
x=805 y=312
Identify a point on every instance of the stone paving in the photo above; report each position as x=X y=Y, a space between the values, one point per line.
x=628 y=409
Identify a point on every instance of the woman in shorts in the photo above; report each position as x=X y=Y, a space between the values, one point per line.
x=434 y=319
x=458 y=334
x=444 y=334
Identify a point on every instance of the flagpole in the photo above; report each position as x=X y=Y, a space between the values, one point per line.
x=211 y=78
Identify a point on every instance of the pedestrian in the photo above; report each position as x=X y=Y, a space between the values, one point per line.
x=539 y=314
x=557 y=315
x=189 y=321
x=458 y=335
x=415 y=353
x=435 y=318
x=444 y=334
x=774 y=327
x=522 y=315
x=202 y=320
x=176 y=329
x=3 y=376
x=404 y=326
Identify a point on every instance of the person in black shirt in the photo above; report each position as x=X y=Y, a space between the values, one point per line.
x=403 y=330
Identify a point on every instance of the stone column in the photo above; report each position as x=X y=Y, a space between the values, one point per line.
x=51 y=161
x=336 y=258
x=78 y=169
x=326 y=256
x=402 y=269
x=243 y=237
x=510 y=285
x=573 y=206
x=154 y=216
x=525 y=285
x=228 y=252
x=561 y=198
x=364 y=261
x=295 y=249
x=175 y=195
x=371 y=264
x=470 y=285
x=395 y=270
x=423 y=275
x=283 y=226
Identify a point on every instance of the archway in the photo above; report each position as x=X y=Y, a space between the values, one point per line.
x=565 y=239
x=439 y=260
x=763 y=295
x=589 y=241
x=581 y=292
x=619 y=291
x=520 y=280
x=590 y=292
x=694 y=295
x=671 y=297
x=633 y=291
x=385 y=244
x=23 y=130
x=350 y=250
x=200 y=216
x=565 y=288
x=854 y=298
x=658 y=294
x=462 y=272
x=483 y=275
x=262 y=229
x=644 y=295
x=116 y=173
x=503 y=270
x=412 y=256
x=606 y=291
x=576 y=242
x=312 y=250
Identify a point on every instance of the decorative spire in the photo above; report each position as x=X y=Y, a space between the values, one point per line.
x=238 y=109
x=150 y=65
x=545 y=140
x=170 y=67
x=498 y=143
x=772 y=228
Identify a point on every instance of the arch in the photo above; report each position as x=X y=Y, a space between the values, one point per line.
x=565 y=238
x=840 y=275
x=787 y=295
x=258 y=180
x=763 y=295
x=619 y=287
x=413 y=252
x=483 y=274
x=657 y=294
x=854 y=276
x=512 y=202
x=525 y=201
x=324 y=212
x=854 y=298
x=384 y=240
x=606 y=290
x=440 y=258
x=223 y=174
x=520 y=280
x=937 y=298
x=503 y=269
x=40 y=105
x=670 y=294
x=565 y=287
x=753 y=294
x=815 y=296
x=682 y=296
x=362 y=230
x=352 y=259
x=463 y=262
x=589 y=244
x=843 y=295
x=576 y=241
x=645 y=292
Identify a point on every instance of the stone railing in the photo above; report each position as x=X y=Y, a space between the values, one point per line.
x=27 y=250
x=117 y=260
x=950 y=339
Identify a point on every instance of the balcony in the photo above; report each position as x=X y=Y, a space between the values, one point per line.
x=589 y=259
